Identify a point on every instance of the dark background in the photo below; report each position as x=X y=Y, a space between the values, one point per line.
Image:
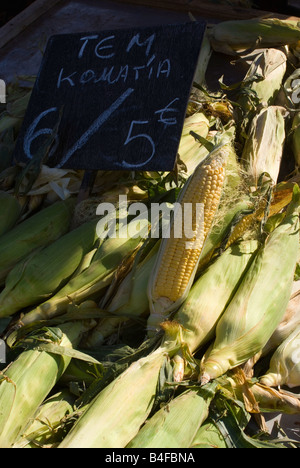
x=10 y=8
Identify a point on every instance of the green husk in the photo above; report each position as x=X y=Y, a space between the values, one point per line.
x=26 y=382
x=35 y=233
x=296 y=139
x=212 y=292
x=45 y=272
x=10 y=211
x=208 y=436
x=284 y=366
x=130 y=301
x=260 y=302
x=46 y=427
x=234 y=37
x=263 y=148
x=90 y=281
x=175 y=424
x=115 y=416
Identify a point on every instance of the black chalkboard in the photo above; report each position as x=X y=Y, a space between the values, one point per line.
x=120 y=98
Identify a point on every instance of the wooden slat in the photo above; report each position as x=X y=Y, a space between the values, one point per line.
x=14 y=27
x=207 y=10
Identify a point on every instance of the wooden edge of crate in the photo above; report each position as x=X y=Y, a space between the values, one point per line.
x=20 y=22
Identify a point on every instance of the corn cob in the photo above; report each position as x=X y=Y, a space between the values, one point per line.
x=263 y=149
x=36 y=232
x=231 y=37
x=130 y=301
x=175 y=425
x=284 y=366
x=178 y=258
x=10 y=210
x=290 y=321
x=296 y=139
x=45 y=272
x=257 y=397
x=45 y=429
x=260 y=301
x=211 y=293
x=92 y=280
x=27 y=382
x=115 y=416
x=208 y=436
x=263 y=79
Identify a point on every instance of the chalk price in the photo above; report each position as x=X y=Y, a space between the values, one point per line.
x=133 y=134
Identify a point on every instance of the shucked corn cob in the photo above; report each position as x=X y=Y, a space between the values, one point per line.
x=44 y=273
x=25 y=384
x=285 y=363
x=179 y=255
x=260 y=302
x=230 y=37
x=36 y=232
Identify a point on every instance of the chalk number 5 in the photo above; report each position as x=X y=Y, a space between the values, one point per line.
x=131 y=137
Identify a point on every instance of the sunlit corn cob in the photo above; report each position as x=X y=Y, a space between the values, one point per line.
x=45 y=272
x=263 y=148
x=130 y=301
x=208 y=436
x=36 y=232
x=179 y=255
x=175 y=424
x=230 y=37
x=264 y=79
x=260 y=302
x=93 y=278
x=10 y=211
x=212 y=292
x=115 y=416
x=45 y=429
x=26 y=382
x=284 y=366
x=296 y=139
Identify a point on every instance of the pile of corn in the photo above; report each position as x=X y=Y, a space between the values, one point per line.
x=173 y=341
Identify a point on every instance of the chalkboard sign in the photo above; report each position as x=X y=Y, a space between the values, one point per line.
x=121 y=98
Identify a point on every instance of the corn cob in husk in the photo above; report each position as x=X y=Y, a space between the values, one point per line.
x=284 y=366
x=212 y=292
x=36 y=232
x=179 y=254
x=45 y=272
x=176 y=424
x=260 y=302
x=233 y=37
x=263 y=80
x=10 y=211
x=208 y=436
x=296 y=139
x=46 y=427
x=91 y=280
x=130 y=301
x=263 y=148
x=115 y=416
x=27 y=381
